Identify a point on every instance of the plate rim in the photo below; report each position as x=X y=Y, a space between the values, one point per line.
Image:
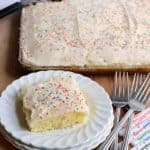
x=92 y=144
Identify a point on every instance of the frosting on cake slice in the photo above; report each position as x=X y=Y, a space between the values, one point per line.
x=53 y=104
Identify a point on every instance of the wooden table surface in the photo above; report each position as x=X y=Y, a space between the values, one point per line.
x=10 y=69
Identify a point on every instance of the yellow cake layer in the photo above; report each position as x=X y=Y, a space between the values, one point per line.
x=63 y=121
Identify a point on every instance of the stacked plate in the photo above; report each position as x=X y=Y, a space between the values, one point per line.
x=80 y=137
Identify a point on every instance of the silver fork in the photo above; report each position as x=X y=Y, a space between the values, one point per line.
x=137 y=102
x=119 y=98
x=137 y=81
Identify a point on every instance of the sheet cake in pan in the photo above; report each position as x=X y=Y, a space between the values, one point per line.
x=91 y=35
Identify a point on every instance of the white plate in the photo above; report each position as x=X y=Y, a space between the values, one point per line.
x=86 y=146
x=101 y=114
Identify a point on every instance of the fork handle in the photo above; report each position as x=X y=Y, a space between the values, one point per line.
x=125 y=143
x=114 y=145
x=110 y=138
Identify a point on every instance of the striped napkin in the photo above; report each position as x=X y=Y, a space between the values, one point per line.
x=140 y=131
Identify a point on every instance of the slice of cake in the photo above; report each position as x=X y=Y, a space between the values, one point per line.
x=54 y=104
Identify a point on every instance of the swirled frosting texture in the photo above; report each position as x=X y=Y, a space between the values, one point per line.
x=91 y=33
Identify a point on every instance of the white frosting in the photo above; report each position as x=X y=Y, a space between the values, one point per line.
x=54 y=97
x=91 y=32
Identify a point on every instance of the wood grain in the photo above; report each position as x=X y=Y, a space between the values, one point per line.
x=10 y=69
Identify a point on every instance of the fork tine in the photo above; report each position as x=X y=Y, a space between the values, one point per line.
x=136 y=83
x=123 y=84
x=142 y=86
x=146 y=97
x=141 y=79
x=127 y=85
x=119 y=86
x=115 y=84
x=146 y=88
x=133 y=84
